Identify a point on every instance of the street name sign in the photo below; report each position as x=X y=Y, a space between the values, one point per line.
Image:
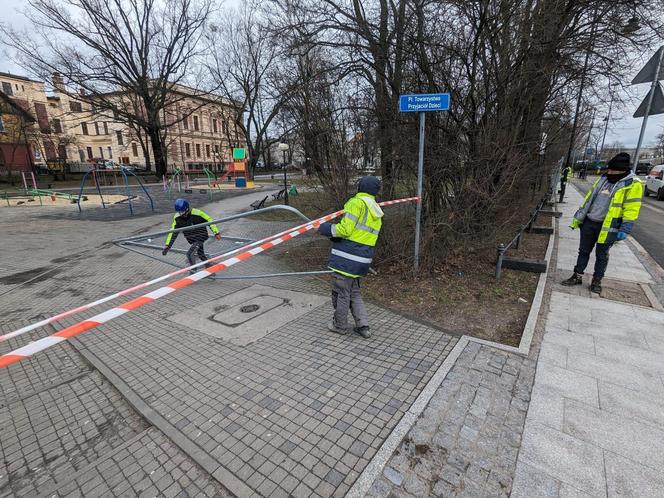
x=424 y=102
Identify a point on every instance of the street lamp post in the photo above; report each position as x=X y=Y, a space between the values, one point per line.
x=283 y=147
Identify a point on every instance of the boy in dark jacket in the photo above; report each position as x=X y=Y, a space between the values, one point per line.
x=185 y=217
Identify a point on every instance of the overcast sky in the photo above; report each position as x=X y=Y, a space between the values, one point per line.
x=625 y=130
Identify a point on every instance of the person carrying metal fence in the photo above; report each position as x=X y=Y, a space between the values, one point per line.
x=353 y=242
x=607 y=215
x=564 y=178
x=185 y=216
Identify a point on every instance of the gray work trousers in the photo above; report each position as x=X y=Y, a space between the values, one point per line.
x=346 y=296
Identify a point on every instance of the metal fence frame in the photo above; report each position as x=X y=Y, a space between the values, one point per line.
x=516 y=240
x=134 y=242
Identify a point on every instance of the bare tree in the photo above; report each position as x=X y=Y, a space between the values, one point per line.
x=113 y=48
x=245 y=64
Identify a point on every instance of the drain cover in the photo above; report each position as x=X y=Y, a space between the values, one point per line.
x=250 y=308
x=248 y=315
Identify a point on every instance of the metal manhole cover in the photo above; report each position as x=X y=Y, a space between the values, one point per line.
x=249 y=308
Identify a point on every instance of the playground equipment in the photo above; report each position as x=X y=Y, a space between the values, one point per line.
x=95 y=176
x=25 y=182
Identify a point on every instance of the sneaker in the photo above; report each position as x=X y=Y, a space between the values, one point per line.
x=576 y=279
x=363 y=331
x=596 y=286
x=333 y=328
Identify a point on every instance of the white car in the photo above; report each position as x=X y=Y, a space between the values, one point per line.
x=655 y=182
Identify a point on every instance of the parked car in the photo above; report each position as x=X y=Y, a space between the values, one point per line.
x=643 y=168
x=655 y=182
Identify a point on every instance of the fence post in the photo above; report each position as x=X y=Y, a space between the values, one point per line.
x=518 y=239
x=499 y=263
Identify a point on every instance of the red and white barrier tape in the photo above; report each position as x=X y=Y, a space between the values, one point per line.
x=93 y=322
x=85 y=307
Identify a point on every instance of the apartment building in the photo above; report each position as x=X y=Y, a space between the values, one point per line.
x=71 y=129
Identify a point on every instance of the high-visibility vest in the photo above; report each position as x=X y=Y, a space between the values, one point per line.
x=355 y=236
x=199 y=234
x=566 y=172
x=623 y=209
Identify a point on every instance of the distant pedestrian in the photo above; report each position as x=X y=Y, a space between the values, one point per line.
x=608 y=213
x=353 y=241
x=185 y=217
x=564 y=177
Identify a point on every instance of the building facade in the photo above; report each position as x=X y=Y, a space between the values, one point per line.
x=71 y=130
x=16 y=125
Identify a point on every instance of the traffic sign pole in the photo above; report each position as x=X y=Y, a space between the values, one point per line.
x=653 y=88
x=420 y=175
x=422 y=103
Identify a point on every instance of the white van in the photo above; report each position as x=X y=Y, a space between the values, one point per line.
x=655 y=182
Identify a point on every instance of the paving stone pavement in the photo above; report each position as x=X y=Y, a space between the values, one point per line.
x=302 y=412
x=299 y=412
x=466 y=441
x=594 y=425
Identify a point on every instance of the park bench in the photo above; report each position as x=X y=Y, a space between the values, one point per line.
x=279 y=194
x=258 y=204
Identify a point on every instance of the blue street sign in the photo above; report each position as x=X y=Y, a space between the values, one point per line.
x=589 y=151
x=424 y=102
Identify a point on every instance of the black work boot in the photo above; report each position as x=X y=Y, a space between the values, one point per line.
x=576 y=279
x=596 y=286
x=363 y=331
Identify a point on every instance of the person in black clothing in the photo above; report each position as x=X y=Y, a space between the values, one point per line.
x=185 y=217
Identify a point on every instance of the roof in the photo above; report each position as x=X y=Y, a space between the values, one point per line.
x=17 y=77
x=17 y=108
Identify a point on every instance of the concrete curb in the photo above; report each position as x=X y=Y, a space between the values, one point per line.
x=380 y=459
x=375 y=467
x=217 y=472
x=533 y=315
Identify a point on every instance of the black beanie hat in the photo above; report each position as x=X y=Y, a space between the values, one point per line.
x=369 y=185
x=620 y=162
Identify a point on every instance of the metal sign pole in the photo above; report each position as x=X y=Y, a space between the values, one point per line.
x=655 y=82
x=420 y=174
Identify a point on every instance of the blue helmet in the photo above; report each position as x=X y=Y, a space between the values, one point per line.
x=181 y=205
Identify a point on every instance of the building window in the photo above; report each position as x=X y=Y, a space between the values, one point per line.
x=195 y=123
x=216 y=149
x=7 y=88
x=187 y=150
x=207 y=150
x=110 y=152
x=2 y=125
x=101 y=152
x=224 y=127
x=96 y=128
x=42 y=117
x=105 y=128
x=57 y=126
x=198 y=150
x=134 y=149
x=120 y=139
x=22 y=88
x=89 y=149
x=75 y=107
x=81 y=155
x=84 y=128
x=185 y=123
x=214 y=125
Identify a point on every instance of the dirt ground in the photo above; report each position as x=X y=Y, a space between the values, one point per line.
x=460 y=296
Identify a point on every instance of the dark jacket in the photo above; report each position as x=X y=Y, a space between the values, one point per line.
x=195 y=217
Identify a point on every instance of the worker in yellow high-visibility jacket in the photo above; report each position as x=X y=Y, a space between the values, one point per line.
x=354 y=239
x=185 y=216
x=608 y=213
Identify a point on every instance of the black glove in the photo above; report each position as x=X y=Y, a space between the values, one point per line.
x=335 y=239
x=165 y=250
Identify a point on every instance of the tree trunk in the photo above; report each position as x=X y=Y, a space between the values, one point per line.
x=157 y=152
